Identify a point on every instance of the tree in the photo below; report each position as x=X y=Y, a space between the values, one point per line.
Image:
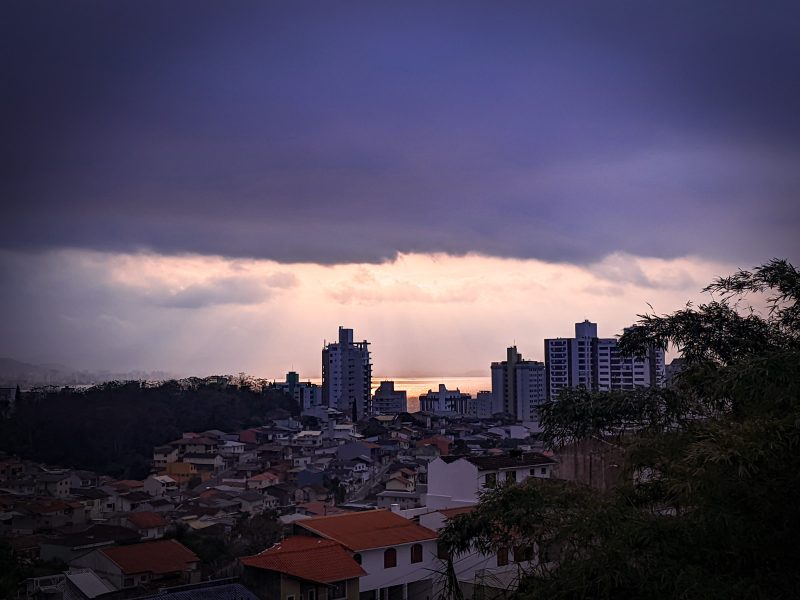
x=708 y=505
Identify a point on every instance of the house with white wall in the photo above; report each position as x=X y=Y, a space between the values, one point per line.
x=455 y=481
x=397 y=554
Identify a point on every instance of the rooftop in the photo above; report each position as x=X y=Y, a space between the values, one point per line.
x=505 y=461
x=368 y=529
x=308 y=558
x=166 y=556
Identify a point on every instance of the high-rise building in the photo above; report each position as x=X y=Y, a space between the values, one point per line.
x=518 y=386
x=388 y=401
x=596 y=363
x=347 y=375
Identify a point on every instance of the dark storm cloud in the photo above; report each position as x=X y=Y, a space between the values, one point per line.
x=348 y=132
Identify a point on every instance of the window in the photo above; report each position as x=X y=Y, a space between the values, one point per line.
x=543 y=470
x=502 y=557
x=290 y=597
x=357 y=558
x=389 y=558
x=312 y=595
x=416 y=553
x=490 y=480
x=338 y=589
x=511 y=475
x=128 y=582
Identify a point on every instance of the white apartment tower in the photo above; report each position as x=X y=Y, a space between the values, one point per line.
x=596 y=363
x=347 y=375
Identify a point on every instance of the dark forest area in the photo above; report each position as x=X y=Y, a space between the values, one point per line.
x=112 y=428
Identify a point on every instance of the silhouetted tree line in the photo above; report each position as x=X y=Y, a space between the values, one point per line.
x=112 y=428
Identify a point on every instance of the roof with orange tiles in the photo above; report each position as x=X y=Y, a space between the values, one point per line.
x=369 y=529
x=166 y=556
x=442 y=443
x=146 y=520
x=308 y=558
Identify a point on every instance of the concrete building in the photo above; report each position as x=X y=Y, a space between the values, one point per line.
x=518 y=386
x=484 y=405
x=455 y=481
x=307 y=395
x=347 y=375
x=445 y=401
x=388 y=401
x=596 y=363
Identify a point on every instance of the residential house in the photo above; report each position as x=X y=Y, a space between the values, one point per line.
x=163 y=563
x=53 y=484
x=69 y=546
x=159 y=486
x=397 y=554
x=149 y=525
x=458 y=480
x=304 y=567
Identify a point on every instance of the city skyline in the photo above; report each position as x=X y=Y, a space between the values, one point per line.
x=203 y=188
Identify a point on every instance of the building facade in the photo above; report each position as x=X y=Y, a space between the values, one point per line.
x=518 y=386
x=347 y=375
x=597 y=364
x=388 y=401
x=444 y=401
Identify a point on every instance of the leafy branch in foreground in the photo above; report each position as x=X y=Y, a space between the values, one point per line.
x=708 y=506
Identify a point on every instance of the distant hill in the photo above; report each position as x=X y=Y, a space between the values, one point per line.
x=14 y=372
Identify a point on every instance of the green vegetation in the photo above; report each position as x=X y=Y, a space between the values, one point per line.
x=112 y=428
x=707 y=507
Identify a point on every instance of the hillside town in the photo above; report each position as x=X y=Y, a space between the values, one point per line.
x=343 y=500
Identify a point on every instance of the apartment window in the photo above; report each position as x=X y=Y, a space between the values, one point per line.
x=389 y=558
x=502 y=557
x=416 y=553
x=490 y=480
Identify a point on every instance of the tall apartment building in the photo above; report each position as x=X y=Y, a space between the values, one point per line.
x=518 y=386
x=388 y=401
x=347 y=375
x=596 y=363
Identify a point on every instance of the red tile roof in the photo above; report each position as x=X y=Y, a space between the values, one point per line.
x=442 y=443
x=146 y=520
x=368 y=529
x=167 y=556
x=308 y=558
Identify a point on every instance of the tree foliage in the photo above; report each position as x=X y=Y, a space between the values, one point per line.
x=708 y=505
x=112 y=428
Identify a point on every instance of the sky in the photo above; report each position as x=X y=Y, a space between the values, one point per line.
x=214 y=187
